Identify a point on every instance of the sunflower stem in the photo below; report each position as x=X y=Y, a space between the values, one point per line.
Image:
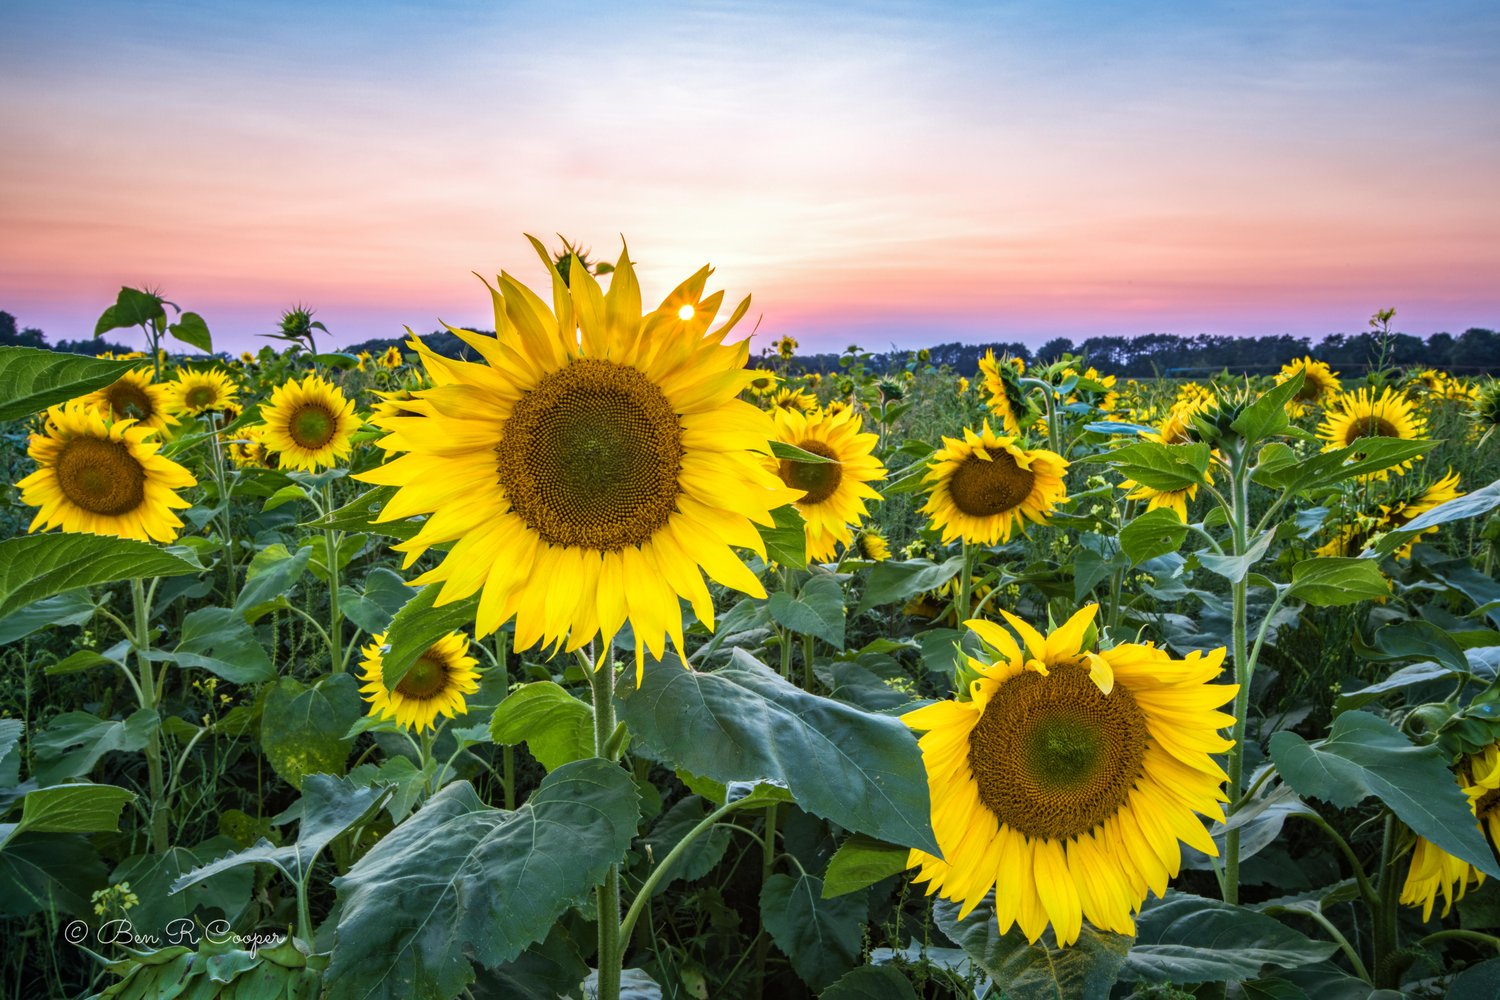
x=221 y=481
x=965 y=581
x=767 y=868
x=1244 y=669
x=809 y=681
x=508 y=754
x=1383 y=916
x=332 y=542
x=148 y=701
x=607 y=895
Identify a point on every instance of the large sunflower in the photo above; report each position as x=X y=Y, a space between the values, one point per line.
x=1319 y=383
x=833 y=493
x=437 y=682
x=197 y=392
x=1433 y=870
x=1363 y=414
x=103 y=477
x=1067 y=779
x=586 y=481
x=985 y=485
x=134 y=396
x=309 y=424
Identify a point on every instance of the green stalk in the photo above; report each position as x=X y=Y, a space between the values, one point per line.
x=654 y=879
x=221 y=481
x=809 y=681
x=159 y=831
x=607 y=895
x=1244 y=670
x=965 y=584
x=1383 y=918
x=332 y=540
x=508 y=753
x=767 y=868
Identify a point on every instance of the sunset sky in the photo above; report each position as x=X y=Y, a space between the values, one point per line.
x=872 y=173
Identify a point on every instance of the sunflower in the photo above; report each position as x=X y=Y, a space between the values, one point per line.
x=134 y=396
x=363 y=361
x=793 y=399
x=246 y=358
x=834 y=492
x=963 y=386
x=203 y=391
x=984 y=485
x=103 y=477
x=401 y=403
x=436 y=682
x=762 y=383
x=247 y=449
x=1363 y=414
x=309 y=424
x=1402 y=512
x=1319 y=383
x=871 y=544
x=786 y=348
x=586 y=482
x=1433 y=870
x=391 y=358
x=1484 y=411
x=1067 y=779
x=1003 y=390
x=1176 y=500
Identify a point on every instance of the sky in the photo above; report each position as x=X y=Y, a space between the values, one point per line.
x=882 y=174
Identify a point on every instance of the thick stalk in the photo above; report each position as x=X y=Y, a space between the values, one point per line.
x=1244 y=671
x=507 y=753
x=809 y=681
x=606 y=896
x=965 y=584
x=332 y=540
x=221 y=480
x=148 y=701
x=1383 y=917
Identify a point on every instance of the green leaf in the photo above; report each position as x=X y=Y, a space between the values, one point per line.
x=818 y=609
x=792 y=453
x=1152 y=534
x=77 y=663
x=47 y=873
x=1477 y=982
x=1332 y=582
x=555 y=726
x=1479 y=502
x=1041 y=971
x=1411 y=639
x=462 y=879
x=360 y=513
x=1189 y=939
x=786 y=543
x=132 y=307
x=892 y=581
x=193 y=331
x=336 y=360
x=32 y=379
x=870 y=982
x=1161 y=466
x=384 y=594
x=862 y=861
x=821 y=936
x=10 y=735
x=1367 y=456
x=1365 y=756
x=745 y=723
x=70 y=608
x=418 y=625
x=34 y=567
x=219 y=640
x=285 y=495
x=270 y=578
x=1233 y=568
x=151 y=877
x=302 y=727
x=69 y=809
x=700 y=857
x=1266 y=417
x=73 y=742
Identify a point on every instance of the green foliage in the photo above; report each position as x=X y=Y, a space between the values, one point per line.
x=35 y=567
x=36 y=379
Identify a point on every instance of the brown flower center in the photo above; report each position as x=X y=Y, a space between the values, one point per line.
x=819 y=479
x=591 y=457
x=983 y=489
x=129 y=401
x=312 y=426
x=1053 y=756
x=101 y=476
x=201 y=396
x=1364 y=427
x=426 y=678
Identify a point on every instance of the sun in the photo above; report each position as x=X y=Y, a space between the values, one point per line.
x=833 y=492
x=592 y=468
x=198 y=392
x=435 y=684
x=103 y=477
x=1067 y=777
x=985 y=486
x=135 y=396
x=309 y=424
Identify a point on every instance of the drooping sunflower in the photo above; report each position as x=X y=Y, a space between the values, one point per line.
x=1399 y=513
x=1319 y=383
x=135 y=396
x=587 y=481
x=1003 y=391
x=1434 y=871
x=984 y=486
x=392 y=357
x=871 y=544
x=198 y=392
x=1484 y=411
x=309 y=424
x=833 y=492
x=103 y=477
x=436 y=683
x=1067 y=779
x=1175 y=500
x=1363 y=414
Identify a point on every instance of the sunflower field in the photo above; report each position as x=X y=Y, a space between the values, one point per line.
x=607 y=660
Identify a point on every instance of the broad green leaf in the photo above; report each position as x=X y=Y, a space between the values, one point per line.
x=1233 y=568
x=1152 y=534
x=792 y=453
x=193 y=331
x=220 y=641
x=1474 y=504
x=892 y=581
x=1331 y=581
x=35 y=567
x=1411 y=639
x=1161 y=466
x=151 y=877
x=1477 y=982
x=384 y=593
x=359 y=515
x=32 y=379
x=337 y=360
x=745 y=723
x=1041 y=971
x=285 y=495
x=818 y=609
x=821 y=936
x=1367 y=456
x=461 y=880
x=69 y=809
x=48 y=873
x=406 y=783
x=555 y=726
x=1364 y=756
x=272 y=574
x=1408 y=676
x=418 y=625
x=862 y=861
x=545 y=971
x=71 y=608
x=1189 y=939
x=73 y=742
x=302 y=727
x=77 y=663
x=219 y=969
x=700 y=857
x=870 y=982
x=10 y=735
x=132 y=307
x=786 y=543
x=1266 y=417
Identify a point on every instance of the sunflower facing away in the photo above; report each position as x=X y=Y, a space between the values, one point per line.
x=197 y=392
x=1433 y=870
x=871 y=544
x=586 y=480
x=134 y=396
x=1067 y=779
x=103 y=477
x=793 y=399
x=436 y=683
x=984 y=486
x=309 y=424
x=1173 y=500
x=834 y=492
x=1319 y=383
x=1003 y=390
x=1363 y=414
